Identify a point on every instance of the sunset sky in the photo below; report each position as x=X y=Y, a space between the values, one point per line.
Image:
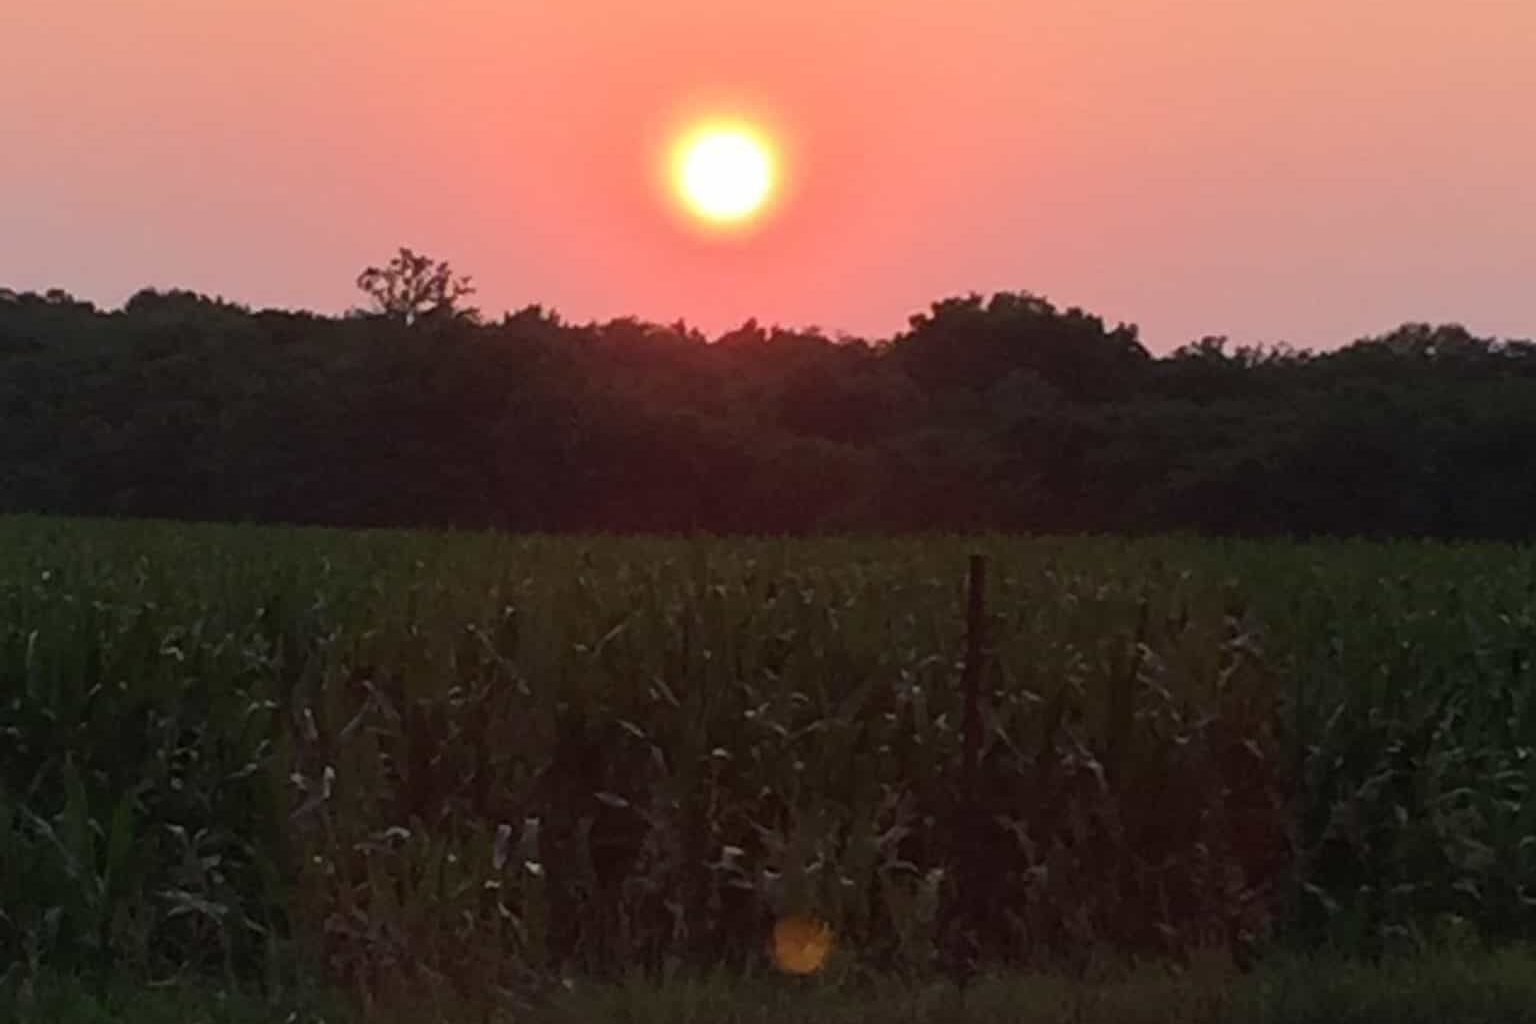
x=1300 y=170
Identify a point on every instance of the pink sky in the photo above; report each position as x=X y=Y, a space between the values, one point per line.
x=1300 y=170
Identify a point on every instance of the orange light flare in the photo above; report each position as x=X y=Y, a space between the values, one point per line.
x=801 y=944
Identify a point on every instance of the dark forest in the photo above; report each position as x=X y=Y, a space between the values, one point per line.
x=1003 y=413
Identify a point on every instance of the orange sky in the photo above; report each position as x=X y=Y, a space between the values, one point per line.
x=1305 y=170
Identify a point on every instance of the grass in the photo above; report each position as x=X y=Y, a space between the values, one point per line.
x=1499 y=987
x=1470 y=987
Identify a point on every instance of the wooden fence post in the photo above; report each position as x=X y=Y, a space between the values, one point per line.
x=975 y=657
x=970 y=856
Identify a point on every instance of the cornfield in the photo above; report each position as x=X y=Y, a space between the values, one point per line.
x=472 y=761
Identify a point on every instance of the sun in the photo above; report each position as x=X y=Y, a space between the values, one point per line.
x=724 y=174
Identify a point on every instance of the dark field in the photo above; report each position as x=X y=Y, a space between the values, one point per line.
x=480 y=772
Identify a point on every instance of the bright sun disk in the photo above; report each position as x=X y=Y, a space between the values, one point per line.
x=724 y=175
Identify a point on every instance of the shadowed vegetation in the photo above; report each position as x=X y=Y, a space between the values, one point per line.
x=453 y=775
x=441 y=765
x=1004 y=413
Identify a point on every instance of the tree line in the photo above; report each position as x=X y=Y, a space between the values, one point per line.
x=985 y=413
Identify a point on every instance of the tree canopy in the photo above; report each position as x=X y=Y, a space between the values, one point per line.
x=411 y=287
x=1002 y=413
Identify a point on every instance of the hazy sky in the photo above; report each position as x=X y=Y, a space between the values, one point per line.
x=1301 y=170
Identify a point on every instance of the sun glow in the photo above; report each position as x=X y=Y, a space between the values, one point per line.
x=724 y=174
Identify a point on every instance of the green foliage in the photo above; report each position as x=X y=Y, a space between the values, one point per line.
x=121 y=997
x=1471 y=986
x=434 y=763
x=1462 y=986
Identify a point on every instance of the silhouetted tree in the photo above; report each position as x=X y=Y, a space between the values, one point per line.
x=968 y=343
x=411 y=287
